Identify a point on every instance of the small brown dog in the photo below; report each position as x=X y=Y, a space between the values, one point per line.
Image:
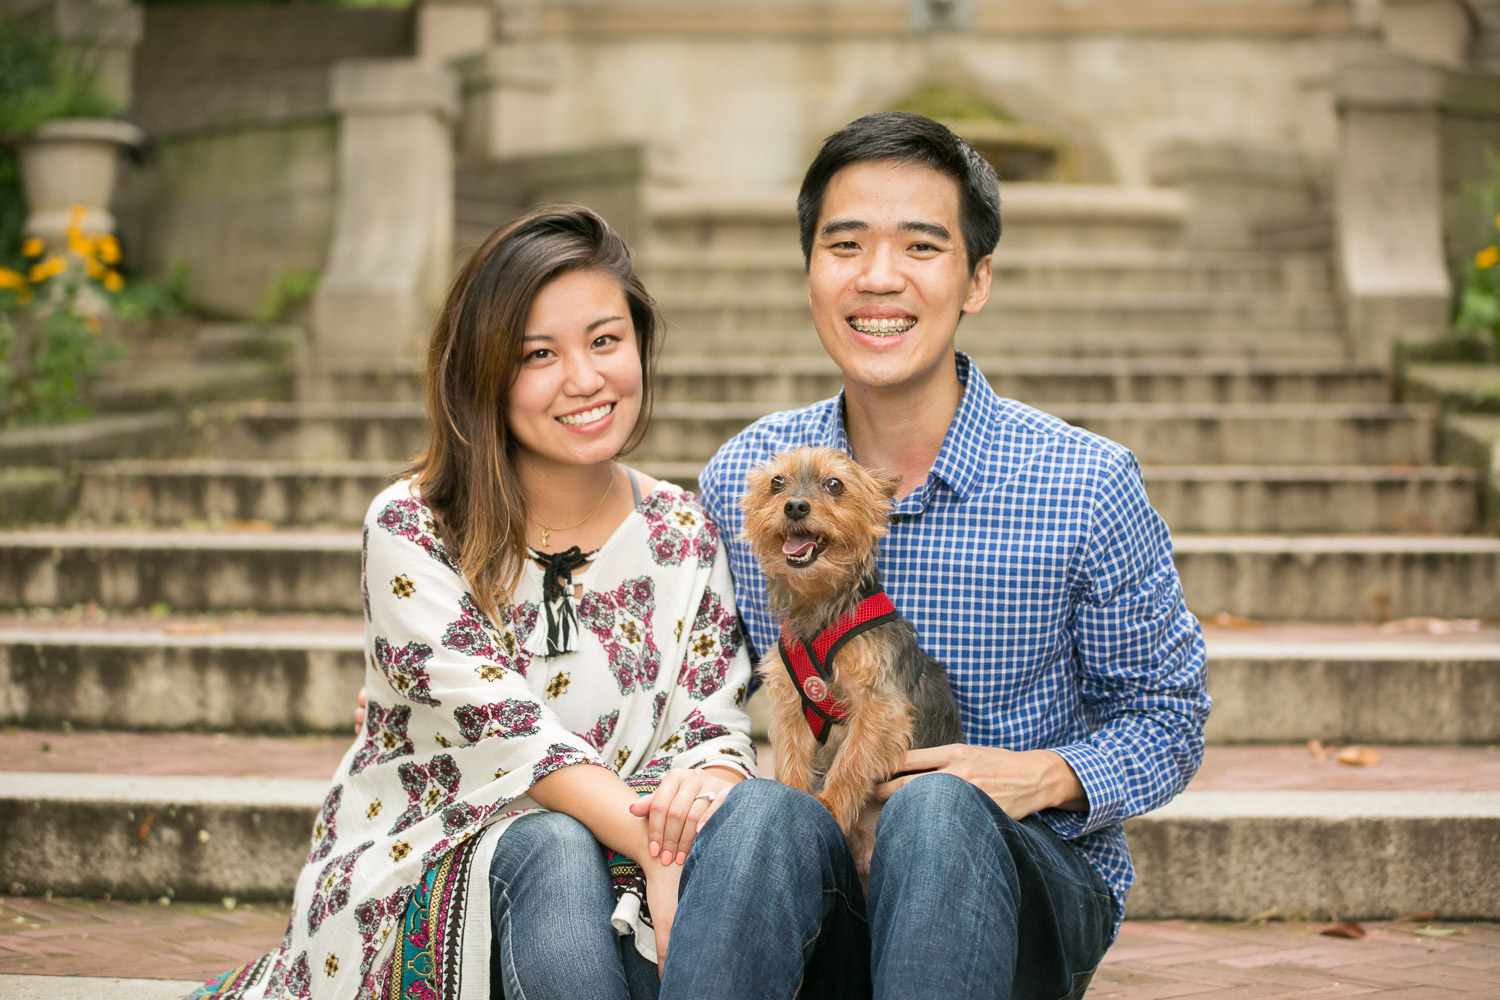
x=850 y=689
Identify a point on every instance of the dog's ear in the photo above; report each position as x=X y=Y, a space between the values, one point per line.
x=755 y=484
x=888 y=483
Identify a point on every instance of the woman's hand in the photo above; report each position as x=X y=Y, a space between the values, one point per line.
x=679 y=807
x=359 y=712
x=661 y=898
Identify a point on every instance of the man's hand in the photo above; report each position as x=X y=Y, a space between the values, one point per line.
x=1021 y=783
x=679 y=807
x=661 y=897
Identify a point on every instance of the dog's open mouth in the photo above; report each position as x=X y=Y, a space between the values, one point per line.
x=800 y=550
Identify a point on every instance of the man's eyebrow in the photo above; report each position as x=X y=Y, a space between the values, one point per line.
x=835 y=226
x=929 y=228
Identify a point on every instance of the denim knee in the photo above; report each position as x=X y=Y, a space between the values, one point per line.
x=933 y=807
x=558 y=842
x=763 y=819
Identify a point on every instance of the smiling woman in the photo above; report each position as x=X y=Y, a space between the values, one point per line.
x=554 y=664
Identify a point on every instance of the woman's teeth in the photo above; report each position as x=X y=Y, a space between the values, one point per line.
x=588 y=416
x=883 y=327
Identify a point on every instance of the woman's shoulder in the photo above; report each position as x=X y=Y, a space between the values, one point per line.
x=401 y=496
x=399 y=511
x=678 y=527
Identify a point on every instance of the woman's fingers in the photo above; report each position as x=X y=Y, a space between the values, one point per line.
x=663 y=800
x=359 y=713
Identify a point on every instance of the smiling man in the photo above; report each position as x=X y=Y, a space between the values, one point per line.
x=1026 y=554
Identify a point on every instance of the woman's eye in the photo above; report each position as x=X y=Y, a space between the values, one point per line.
x=834 y=487
x=604 y=340
x=540 y=354
x=778 y=483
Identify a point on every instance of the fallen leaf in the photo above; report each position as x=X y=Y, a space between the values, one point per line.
x=1357 y=756
x=1381 y=599
x=1418 y=917
x=145 y=829
x=1226 y=620
x=1264 y=917
x=1319 y=749
x=192 y=628
x=1440 y=931
x=1347 y=929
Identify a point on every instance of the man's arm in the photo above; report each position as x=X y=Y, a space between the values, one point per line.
x=1140 y=664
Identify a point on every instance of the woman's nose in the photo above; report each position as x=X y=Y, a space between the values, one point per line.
x=583 y=377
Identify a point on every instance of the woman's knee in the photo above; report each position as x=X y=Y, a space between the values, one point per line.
x=555 y=844
x=764 y=825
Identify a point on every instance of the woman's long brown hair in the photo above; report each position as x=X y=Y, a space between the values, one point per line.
x=466 y=474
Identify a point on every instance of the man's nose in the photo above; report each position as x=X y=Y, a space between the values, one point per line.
x=882 y=271
x=796 y=509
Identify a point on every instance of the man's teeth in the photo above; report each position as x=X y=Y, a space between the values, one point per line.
x=883 y=327
x=588 y=416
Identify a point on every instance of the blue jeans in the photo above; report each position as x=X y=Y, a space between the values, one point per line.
x=964 y=902
x=550 y=902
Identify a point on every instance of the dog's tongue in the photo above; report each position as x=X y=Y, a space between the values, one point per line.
x=798 y=545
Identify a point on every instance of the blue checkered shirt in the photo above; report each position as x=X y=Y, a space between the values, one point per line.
x=1036 y=571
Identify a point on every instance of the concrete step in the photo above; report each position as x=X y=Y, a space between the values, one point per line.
x=1205 y=499
x=204 y=817
x=1057 y=311
x=1037 y=217
x=295 y=674
x=1191 y=433
x=154 y=434
x=683 y=377
x=997 y=338
x=1290 y=682
x=1331 y=578
x=141 y=386
x=669 y=273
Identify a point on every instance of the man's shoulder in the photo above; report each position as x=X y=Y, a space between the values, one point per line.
x=1039 y=444
x=768 y=436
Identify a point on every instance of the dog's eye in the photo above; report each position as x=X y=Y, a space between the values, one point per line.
x=778 y=483
x=834 y=487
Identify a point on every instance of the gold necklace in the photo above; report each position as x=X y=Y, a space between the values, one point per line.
x=592 y=511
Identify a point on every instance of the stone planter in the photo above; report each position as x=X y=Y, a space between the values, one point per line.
x=67 y=162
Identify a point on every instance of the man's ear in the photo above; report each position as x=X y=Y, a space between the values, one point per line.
x=979 y=285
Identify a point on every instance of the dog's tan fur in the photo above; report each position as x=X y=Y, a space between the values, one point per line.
x=873 y=674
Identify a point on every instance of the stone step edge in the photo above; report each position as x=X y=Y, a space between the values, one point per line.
x=351 y=639
x=44 y=987
x=185 y=791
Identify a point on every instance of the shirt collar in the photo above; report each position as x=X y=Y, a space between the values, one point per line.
x=964 y=447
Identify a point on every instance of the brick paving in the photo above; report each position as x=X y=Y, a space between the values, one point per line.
x=1151 y=960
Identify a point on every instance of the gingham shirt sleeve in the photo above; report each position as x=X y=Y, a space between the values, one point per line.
x=1141 y=662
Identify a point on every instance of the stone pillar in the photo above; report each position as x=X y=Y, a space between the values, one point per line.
x=1389 y=203
x=1435 y=31
x=450 y=29
x=509 y=93
x=393 y=224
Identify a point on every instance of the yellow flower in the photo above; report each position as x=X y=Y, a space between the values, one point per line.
x=109 y=250
x=113 y=282
x=76 y=215
x=1487 y=258
x=81 y=245
x=11 y=279
x=33 y=247
x=94 y=269
x=38 y=273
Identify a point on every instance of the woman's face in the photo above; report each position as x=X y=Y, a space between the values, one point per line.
x=577 y=393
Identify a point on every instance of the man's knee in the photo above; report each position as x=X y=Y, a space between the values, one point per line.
x=934 y=807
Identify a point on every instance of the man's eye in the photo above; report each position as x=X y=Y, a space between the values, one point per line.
x=833 y=487
x=778 y=483
x=924 y=248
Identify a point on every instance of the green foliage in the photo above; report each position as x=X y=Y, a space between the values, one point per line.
x=942 y=102
x=42 y=79
x=1478 y=307
x=284 y=293
x=12 y=209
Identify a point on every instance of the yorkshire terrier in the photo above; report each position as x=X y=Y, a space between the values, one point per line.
x=849 y=688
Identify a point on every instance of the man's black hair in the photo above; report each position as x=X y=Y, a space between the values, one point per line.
x=907 y=138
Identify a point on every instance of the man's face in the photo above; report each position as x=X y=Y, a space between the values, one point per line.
x=889 y=274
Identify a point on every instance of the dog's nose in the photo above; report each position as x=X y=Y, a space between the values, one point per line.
x=796 y=508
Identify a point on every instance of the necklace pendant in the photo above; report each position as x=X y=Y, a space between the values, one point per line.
x=544 y=537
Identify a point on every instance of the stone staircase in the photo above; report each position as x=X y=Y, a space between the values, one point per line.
x=178 y=658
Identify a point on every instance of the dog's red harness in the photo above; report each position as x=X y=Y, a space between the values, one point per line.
x=811 y=663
